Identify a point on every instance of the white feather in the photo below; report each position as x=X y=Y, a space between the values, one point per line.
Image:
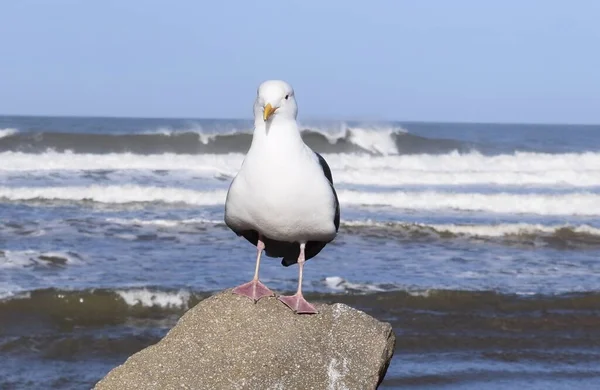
x=281 y=190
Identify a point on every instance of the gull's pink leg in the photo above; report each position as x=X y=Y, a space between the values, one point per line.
x=254 y=289
x=297 y=302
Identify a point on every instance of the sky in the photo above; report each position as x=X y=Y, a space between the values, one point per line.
x=462 y=60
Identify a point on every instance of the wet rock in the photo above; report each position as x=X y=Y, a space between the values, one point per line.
x=228 y=342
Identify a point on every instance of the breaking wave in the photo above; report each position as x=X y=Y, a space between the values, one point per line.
x=572 y=203
x=7 y=132
x=518 y=169
x=495 y=230
x=583 y=233
x=500 y=328
x=577 y=203
x=380 y=141
x=32 y=258
x=114 y=194
x=166 y=223
x=136 y=301
x=104 y=306
x=561 y=236
x=532 y=234
x=155 y=298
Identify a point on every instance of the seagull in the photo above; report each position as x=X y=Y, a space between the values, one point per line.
x=282 y=199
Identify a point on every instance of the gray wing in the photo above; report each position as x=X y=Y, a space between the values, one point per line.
x=327 y=173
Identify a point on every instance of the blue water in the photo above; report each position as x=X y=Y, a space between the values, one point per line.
x=135 y=207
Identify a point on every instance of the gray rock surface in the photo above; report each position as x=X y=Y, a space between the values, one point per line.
x=228 y=342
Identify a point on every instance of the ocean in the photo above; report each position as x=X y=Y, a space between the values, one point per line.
x=479 y=243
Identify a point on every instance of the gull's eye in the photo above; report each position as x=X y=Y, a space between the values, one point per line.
x=286 y=97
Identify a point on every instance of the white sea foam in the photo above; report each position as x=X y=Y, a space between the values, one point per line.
x=476 y=230
x=149 y=298
x=204 y=136
x=576 y=203
x=574 y=169
x=7 y=132
x=212 y=164
x=481 y=230
x=474 y=162
x=506 y=229
x=340 y=284
x=12 y=291
x=376 y=140
x=29 y=258
x=115 y=194
x=400 y=177
x=163 y=222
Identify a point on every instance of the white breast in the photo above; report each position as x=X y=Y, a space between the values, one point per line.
x=281 y=191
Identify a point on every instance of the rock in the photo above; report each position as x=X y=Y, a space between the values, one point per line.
x=228 y=342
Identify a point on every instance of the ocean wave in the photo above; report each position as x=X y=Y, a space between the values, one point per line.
x=586 y=234
x=491 y=230
x=115 y=194
x=209 y=165
x=103 y=305
x=96 y=306
x=7 y=132
x=153 y=298
x=576 y=203
x=557 y=236
x=562 y=236
x=573 y=203
x=33 y=258
x=164 y=222
x=381 y=141
x=337 y=283
x=518 y=169
x=100 y=323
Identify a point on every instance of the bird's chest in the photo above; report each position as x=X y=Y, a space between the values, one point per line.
x=287 y=196
x=286 y=188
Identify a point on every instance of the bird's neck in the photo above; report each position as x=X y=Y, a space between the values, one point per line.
x=279 y=131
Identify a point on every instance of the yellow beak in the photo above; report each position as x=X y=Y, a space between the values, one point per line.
x=269 y=110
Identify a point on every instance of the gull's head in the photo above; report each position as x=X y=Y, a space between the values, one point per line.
x=275 y=98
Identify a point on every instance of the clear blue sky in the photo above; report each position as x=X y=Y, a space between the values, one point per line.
x=460 y=60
